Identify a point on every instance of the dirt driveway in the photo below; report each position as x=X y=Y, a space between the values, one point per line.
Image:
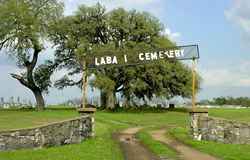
x=186 y=152
x=131 y=147
x=134 y=150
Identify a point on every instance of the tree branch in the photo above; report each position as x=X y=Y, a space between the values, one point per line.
x=34 y=58
x=65 y=82
x=20 y=79
x=37 y=50
x=4 y=41
x=40 y=7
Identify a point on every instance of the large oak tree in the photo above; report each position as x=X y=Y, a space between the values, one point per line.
x=92 y=30
x=24 y=28
x=74 y=37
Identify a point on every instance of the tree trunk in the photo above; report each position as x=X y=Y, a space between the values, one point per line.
x=126 y=103
x=36 y=91
x=40 y=105
x=111 y=100
x=108 y=99
x=29 y=80
x=103 y=99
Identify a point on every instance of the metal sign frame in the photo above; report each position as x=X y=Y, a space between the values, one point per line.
x=147 y=62
x=93 y=66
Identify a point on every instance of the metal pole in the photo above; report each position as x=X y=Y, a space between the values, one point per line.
x=193 y=85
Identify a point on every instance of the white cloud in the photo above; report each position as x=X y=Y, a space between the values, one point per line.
x=239 y=13
x=174 y=36
x=234 y=76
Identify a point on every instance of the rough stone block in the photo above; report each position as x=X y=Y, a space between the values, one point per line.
x=219 y=130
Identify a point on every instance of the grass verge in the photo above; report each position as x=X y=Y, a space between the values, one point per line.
x=156 y=147
x=17 y=119
x=231 y=114
x=223 y=151
x=101 y=147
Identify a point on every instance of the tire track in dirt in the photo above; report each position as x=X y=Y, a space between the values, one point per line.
x=131 y=147
x=186 y=152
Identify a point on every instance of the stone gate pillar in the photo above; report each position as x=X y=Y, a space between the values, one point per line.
x=89 y=111
x=195 y=120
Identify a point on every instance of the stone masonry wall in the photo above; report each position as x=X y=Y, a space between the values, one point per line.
x=208 y=128
x=54 y=134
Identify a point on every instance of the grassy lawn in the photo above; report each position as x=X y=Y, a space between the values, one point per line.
x=151 y=121
x=156 y=147
x=11 y=119
x=100 y=147
x=223 y=151
x=103 y=147
x=146 y=119
x=231 y=114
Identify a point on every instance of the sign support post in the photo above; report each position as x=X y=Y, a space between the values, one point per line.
x=193 y=85
x=84 y=84
x=83 y=110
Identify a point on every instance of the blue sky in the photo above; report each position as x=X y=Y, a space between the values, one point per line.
x=220 y=27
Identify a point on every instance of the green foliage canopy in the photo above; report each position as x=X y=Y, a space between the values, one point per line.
x=92 y=30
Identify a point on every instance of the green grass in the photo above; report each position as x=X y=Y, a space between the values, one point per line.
x=13 y=119
x=102 y=147
x=156 y=147
x=150 y=121
x=10 y=119
x=146 y=119
x=99 y=148
x=231 y=114
x=223 y=151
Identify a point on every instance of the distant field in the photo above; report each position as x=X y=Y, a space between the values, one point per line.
x=146 y=119
x=11 y=119
x=231 y=114
x=23 y=119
